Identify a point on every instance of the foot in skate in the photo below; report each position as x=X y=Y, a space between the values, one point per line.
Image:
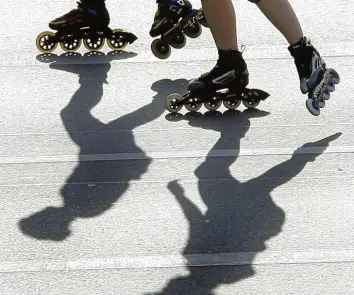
x=315 y=78
x=88 y=23
x=225 y=83
x=173 y=21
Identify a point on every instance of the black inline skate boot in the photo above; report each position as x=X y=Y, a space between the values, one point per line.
x=315 y=78
x=89 y=13
x=88 y=22
x=225 y=83
x=173 y=20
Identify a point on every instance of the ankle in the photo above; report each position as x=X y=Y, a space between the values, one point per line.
x=297 y=43
x=231 y=57
x=229 y=54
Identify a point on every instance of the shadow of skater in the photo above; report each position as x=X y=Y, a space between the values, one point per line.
x=95 y=185
x=240 y=216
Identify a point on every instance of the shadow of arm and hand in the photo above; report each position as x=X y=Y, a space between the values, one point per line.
x=200 y=281
x=92 y=70
x=289 y=169
x=232 y=126
x=153 y=109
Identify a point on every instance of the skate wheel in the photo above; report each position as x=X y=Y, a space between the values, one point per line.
x=44 y=44
x=330 y=86
x=94 y=42
x=193 y=31
x=335 y=76
x=160 y=49
x=193 y=105
x=232 y=104
x=251 y=103
x=322 y=103
x=326 y=95
x=312 y=108
x=71 y=45
x=336 y=79
x=117 y=41
x=212 y=105
x=172 y=103
x=178 y=40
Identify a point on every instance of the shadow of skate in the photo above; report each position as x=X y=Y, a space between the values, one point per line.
x=96 y=184
x=95 y=57
x=241 y=215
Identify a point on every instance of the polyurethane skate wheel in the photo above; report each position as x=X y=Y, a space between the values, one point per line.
x=71 y=45
x=335 y=76
x=94 y=42
x=193 y=31
x=117 y=43
x=232 y=105
x=43 y=44
x=178 y=40
x=171 y=103
x=251 y=103
x=160 y=49
x=330 y=86
x=213 y=105
x=193 y=105
x=312 y=108
x=326 y=95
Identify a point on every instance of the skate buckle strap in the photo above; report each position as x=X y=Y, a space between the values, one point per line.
x=243 y=48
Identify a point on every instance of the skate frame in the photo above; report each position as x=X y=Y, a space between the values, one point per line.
x=195 y=16
x=317 y=93
x=85 y=33
x=248 y=94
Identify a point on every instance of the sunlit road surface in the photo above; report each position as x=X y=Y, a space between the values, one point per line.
x=103 y=192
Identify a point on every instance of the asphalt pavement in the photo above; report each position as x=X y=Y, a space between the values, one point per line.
x=102 y=191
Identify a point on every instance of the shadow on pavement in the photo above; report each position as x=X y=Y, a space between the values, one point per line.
x=96 y=185
x=240 y=216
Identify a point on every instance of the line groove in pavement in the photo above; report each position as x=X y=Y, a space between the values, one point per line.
x=253 y=126
x=208 y=180
x=174 y=261
x=253 y=52
x=176 y=154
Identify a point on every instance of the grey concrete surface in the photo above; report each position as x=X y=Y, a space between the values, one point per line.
x=103 y=192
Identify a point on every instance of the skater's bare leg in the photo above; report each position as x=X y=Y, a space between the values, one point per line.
x=282 y=16
x=221 y=18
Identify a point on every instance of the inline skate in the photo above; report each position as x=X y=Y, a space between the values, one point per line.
x=315 y=78
x=174 y=20
x=88 y=23
x=225 y=83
